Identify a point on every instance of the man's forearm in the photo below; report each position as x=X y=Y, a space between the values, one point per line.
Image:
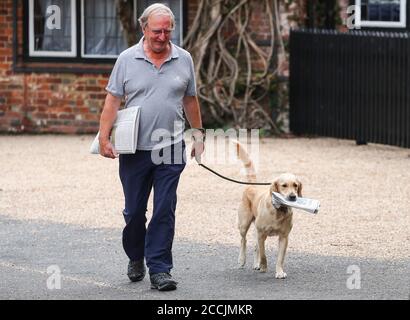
x=108 y=116
x=193 y=112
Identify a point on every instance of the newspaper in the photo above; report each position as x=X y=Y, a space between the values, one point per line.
x=124 y=133
x=309 y=205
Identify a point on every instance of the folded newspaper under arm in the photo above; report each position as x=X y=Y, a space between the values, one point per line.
x=124 y=133
x=309 y=205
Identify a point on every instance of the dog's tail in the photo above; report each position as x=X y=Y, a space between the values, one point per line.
x=246 y=160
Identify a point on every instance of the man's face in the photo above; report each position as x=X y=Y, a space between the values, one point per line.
x=158 y=32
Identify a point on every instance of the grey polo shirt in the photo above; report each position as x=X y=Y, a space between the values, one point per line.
x=159 y=92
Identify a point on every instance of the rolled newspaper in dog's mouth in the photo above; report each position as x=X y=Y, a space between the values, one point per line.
x=309 y=205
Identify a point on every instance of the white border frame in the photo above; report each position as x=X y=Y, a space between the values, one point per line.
x=381 y=24
x=42 y=53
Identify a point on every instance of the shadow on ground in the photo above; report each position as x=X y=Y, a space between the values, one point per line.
x=93 y=266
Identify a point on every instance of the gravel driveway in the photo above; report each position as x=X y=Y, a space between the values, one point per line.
x=364 y=193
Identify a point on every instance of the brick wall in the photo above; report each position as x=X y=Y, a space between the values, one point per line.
x=45 y=102
x=11 y=97
x=258 y=20
x=64 y=103
x=37 y=102
x=192 y=9
x=258 y=24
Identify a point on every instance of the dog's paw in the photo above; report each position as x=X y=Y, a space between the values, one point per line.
x=280 y=275
x=256 y=267
x=241 y=262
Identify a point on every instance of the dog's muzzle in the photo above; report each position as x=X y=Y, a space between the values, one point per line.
x=292 y=197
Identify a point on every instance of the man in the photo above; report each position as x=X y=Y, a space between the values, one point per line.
x=159 y=77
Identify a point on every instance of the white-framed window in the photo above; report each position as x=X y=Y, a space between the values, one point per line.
x=53 y=24
x=381 y=13
x=52 y=28
x=102 y=33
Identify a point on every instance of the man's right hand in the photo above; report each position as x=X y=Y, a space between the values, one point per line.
x=107 y=149
x=108 y=115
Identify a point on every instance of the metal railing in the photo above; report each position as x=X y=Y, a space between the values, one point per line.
x=352 y=85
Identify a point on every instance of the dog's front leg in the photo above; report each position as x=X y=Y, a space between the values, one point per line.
x=263 y=263
x=283 y=244
x=242 y=253
x=256 y=257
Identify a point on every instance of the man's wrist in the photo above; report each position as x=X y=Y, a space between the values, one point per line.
x=198 y=134
x=103 y=137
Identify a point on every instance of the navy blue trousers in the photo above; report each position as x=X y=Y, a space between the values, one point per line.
x=139 y=174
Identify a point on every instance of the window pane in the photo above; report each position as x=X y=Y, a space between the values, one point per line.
x=381 y=10
x=52 y=25
x=104 y=34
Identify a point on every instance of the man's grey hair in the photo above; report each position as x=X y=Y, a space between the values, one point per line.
x=156 y=8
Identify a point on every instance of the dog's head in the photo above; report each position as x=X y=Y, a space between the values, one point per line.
x=288 y=185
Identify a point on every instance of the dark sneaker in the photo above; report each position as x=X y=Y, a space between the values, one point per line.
x=163 y=282
x=136 y=270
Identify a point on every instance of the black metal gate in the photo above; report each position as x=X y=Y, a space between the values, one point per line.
x=351 y=85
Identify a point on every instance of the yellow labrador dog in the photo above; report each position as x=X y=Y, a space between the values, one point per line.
x=256 y=206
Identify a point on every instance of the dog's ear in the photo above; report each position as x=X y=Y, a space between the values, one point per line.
x=274 y=186
x=299 y=188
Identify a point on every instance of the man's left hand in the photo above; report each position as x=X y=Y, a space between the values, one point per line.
x=198 y=148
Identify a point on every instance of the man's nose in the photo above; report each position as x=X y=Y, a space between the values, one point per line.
x=162 y=36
